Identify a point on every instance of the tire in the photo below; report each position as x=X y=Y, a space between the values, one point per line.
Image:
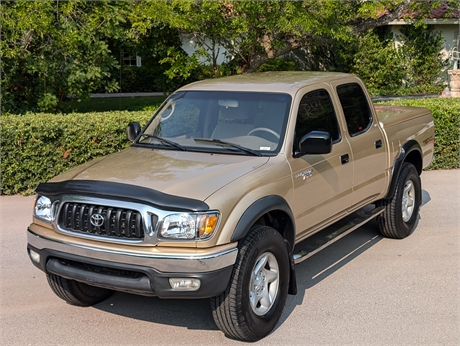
x=77 y=293
x=254 y=299
x=401 y=211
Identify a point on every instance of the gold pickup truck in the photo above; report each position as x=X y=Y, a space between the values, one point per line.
x=221 y=193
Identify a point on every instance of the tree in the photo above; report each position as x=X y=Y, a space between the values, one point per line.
x=378 y=63
x=50 y=49
x=254 y=32
x=421 y=49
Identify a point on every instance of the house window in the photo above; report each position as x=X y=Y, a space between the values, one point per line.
x=131 y=60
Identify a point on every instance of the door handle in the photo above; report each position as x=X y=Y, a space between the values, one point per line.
x=378 y=144
x=344 y=159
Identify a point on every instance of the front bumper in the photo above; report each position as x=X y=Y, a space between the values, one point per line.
x=144 y=274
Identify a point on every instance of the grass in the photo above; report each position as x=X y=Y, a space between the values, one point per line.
x=142 y=103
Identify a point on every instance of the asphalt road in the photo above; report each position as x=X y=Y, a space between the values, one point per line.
x=362 y=290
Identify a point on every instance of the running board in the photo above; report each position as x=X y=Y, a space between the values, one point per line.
x=361 y=219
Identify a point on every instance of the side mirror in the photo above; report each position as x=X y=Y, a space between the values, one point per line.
x=133 y=130
x=315 y=143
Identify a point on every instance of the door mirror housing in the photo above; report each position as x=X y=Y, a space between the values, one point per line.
x=133 y=130
x=315 y=143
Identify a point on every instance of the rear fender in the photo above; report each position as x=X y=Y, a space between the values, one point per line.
x=410 y=152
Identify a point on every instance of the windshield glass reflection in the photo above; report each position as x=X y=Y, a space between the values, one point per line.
x=235 y=122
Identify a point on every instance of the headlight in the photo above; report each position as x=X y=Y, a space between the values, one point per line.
x=196 y=226
x=44 y=208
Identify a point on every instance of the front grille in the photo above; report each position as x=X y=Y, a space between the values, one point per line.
x=101 y=221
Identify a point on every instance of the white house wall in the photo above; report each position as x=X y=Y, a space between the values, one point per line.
x=449 y=31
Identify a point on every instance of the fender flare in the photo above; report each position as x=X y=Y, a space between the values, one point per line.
x=256 y=210
x=407 y=148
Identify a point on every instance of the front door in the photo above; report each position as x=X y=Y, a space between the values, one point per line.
x=322 y=183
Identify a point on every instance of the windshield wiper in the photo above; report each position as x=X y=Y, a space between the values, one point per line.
x=227 y=144
x=164 y=140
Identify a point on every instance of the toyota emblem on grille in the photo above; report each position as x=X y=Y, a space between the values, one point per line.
x=97 y=220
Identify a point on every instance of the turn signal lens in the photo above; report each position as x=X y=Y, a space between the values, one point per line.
x=208 y=223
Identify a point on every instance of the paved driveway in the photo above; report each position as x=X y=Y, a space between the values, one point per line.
x=364 y=289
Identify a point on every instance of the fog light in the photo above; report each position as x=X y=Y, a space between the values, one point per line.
x=184 y=284
x=34 y=256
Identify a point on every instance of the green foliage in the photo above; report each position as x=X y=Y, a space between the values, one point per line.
x=154 y=45
x=378 y=63
x=415 y=66
x=421 y=51
x=36 y=147
x=250 y=32
x=277 y=65
x=109 y=104
x=254 y=32
x=50 y=49
x=446 y=113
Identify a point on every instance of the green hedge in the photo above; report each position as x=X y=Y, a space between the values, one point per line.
x=36 y=147
x=446 y=113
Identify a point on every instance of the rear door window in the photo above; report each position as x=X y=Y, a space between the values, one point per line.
x=355 y=108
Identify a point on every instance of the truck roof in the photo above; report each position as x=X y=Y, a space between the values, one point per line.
x=286 y=81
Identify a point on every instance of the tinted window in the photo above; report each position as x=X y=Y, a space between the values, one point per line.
x=316 y=113
x=355 y=108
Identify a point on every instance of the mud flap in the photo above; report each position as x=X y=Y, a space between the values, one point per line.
x=292 y=276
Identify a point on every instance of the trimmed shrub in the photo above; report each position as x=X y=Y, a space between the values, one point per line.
x=36 y=147
x=446 y=113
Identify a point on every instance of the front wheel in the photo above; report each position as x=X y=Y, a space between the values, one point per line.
x=252 y=304
x=401 y=211
x=77 y=293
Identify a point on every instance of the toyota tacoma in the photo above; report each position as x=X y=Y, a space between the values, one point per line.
x=221 y=193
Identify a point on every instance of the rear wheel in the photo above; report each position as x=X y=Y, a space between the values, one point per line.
x=252 y=304
x=401 y=211
x=77 y=293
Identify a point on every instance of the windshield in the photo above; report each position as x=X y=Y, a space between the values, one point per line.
x=220 y=121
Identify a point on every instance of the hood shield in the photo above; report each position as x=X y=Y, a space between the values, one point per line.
x=121 y=191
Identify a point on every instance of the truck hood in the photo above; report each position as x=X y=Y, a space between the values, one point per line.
x=187 y=174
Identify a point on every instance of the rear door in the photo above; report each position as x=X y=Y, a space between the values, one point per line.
x=367 y=141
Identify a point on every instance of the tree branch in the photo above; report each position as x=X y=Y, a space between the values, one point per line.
x=360 y=25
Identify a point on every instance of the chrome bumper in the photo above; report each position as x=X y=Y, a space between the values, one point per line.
x=162 y=263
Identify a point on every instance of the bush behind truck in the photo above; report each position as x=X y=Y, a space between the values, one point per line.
x=220 y=194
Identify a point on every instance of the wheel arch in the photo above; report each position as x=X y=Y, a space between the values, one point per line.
x=275 y=212
x=272 y=211
x=410 y=152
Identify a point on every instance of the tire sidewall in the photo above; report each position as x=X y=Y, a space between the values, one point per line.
x=274 y=244
x=408 y=173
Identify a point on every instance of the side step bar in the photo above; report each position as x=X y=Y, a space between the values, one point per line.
x=361 y=219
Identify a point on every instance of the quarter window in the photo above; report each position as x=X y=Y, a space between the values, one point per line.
x=355 y=108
